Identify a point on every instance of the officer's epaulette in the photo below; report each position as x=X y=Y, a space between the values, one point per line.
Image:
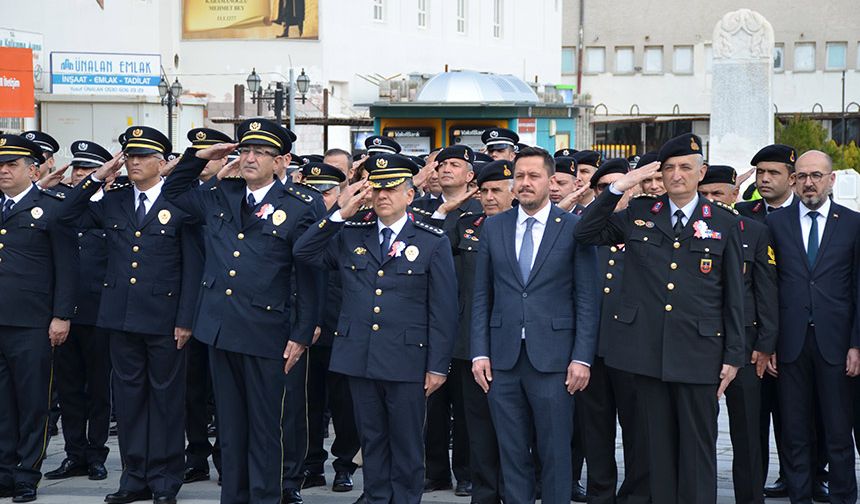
x=428 y=227
x=66 y=186
x=420 y=211
x=646 y=195
x=726 y=207
x=360 y=223
x=116 y=187
x=232 y=178
x=307 y=198
x=52 y=193
x=308 y=187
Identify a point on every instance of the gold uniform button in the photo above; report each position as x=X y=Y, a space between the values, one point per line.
x=135 y=249
x=612 y=262
x=241 y=236
x=376 y=309
x=607 y=290
x=613 y=248
x=2 y=231
x=236 y=253
x=229 y=292
x=719 y=334
x=137 y=234
x=670 y=286
x=232 y=273
x=134 y=265
x=645 y=239
x=674 y=266
x=375 y=327
x=609 y=276
x=1 y=246
x=378 y=292
x=677 y=245
x=132 y=280
x=668 y=307
x=268 y=308
x=380 y=273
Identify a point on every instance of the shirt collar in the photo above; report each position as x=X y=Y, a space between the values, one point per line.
x=151 y=193
x=687 y=209
x=17 y=198
x=260 y=193
x=395 y=228
x=541 y=216
x=787 y=203
x=824 y=210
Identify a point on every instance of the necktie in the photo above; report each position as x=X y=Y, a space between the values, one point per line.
x=527 y=250
x=7 y=207
x=386 y=243
x=812 y=242
x=679 y=222
x=141 y=208
x=252 y=201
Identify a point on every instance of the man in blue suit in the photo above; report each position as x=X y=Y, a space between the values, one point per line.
x=817 y=249
x=534 y=330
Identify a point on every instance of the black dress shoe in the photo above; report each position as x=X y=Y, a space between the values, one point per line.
x=342 y=482
x=193 y=474
x=24 y=492
x=313 y=480
x=164 y=499
x=820 y=492
x=292 y=496
x=577 y=494
x=126 y=497
x=96 y=471
x=777 y=490
x=431 y=485
x=361 y=499
x=67 y=469
x=464 y=489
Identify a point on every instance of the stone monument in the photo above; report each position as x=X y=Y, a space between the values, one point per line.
x=741 y=94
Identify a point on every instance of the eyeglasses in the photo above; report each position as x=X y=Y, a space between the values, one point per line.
x=816 y=177
x=256 y=152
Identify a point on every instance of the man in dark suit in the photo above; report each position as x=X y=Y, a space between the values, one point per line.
x=743 y=396
x=83 y=366
x=251 y=224
x=680 y=318
x=148 y=302
x=534 y=330
x=817 y=244
x=38 y=270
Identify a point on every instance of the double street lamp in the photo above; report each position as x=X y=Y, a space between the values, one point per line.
x=169 y=97
x=279 y=97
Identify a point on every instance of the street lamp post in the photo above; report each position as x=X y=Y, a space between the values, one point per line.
x=169 y=97
x=280 y=97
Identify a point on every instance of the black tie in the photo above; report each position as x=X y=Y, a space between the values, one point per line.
x=679 y=222
x=7 y=207
x=252 y=201
x=141 y=208
x=386 y=243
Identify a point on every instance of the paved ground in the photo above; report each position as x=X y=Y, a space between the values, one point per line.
x=81 y=490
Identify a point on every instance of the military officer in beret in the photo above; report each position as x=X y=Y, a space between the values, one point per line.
x=378 y=144
x=49 y=146
x=587 y=162
x=394 y=337
x=494 y=185
x=82 y=366
x=774 y=179
x=250 y=225
x=680 y=321
x=500 y=143
x=563 y=183
x=455 y=170
x=38 y=270
x=148 y=302
x=743 y=396
x=654 y=184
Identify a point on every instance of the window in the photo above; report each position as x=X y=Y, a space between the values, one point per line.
x=461 y=16
x=568 y=60
x=804 y=57
x=497 y=18
x=682 y=60
x=778 y=57
x=422 y=13
x=623 y=60
x=595 y=59
x=653 y=59
x=709 y=58
x=837 y=55
x=377 y=10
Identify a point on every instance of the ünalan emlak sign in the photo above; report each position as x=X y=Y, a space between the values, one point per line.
x=16 y=82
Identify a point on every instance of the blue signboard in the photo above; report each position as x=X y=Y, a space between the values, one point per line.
x=105 y=73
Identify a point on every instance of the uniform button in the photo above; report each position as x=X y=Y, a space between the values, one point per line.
x=612 y=262
x=380 y=273
x=525 y=294
x=375 y=327
x=1 y=246
x=378 y=292
x=236 y=253
x=707 y=249
x=274 y=231
x=674 y=265
x=376 y=309
x=719 y=334
x=2 y=231
x=352 y=267
x=468 y=248
x=80 y=235
x=268 y=308
x=645 y=239
x=408 y=272
x=607 y=290
x=134 y=265
x=668 y=307
x=132 y=280
x=609 y=276
x=232 y=273
x=615 y=317
x=229 y=292
x=613 y=248
x=670 y=286
x=137 y=234
x=241 y=236
x=677 y=245
x=135 y=249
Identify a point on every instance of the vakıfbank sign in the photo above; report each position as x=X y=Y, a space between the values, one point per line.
x=105 y=73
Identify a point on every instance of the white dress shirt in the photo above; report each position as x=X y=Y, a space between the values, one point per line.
x=395 y=228
x=18 y=197
x=806 y=222
x=785 y=203
x=151 y=195
x=688 y=210
x=537 y=229
x=259 y=194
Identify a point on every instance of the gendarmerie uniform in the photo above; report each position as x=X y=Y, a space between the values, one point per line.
x=38 y=270
x=244 y=313
x=680 y=320
x=759 y=209
x=149 y=289
x=82 y=363
x=398 y=324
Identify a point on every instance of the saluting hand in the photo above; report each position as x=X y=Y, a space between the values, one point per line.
x=743 y=177
x=230 y=169
x=217 y=151
x=577 y=377
x=168 y=167
x=634 y=177
x=181 y=335
x=353 y=198
x=453 y=204
x=58 y=331
x=483 y=373
x=424 y=174
x=568 y=202
x=727 y=374
x=111 y=167
x=432 y=382
x=292 y=354
x=52 y=179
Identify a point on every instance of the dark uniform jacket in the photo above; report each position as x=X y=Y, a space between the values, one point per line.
x=92 y=248
x=399 y=314
x=465 y=238
x=761 y=304
x=681 y=317
x=38 y=262
x=610 y=259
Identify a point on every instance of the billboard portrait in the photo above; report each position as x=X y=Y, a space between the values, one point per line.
x=250 y=19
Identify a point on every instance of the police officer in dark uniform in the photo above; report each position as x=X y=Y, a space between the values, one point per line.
x=378 y=144
x=82 y=366
x=500 y=143
x=679 y=318
x=395 y=335
x=49 y=147
x=148 y=302
x=494 y=186
x=743 y=396
x=250 y=225
x=38 y=270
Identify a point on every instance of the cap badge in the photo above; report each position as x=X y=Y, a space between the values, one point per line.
x=381 y=163
x=791 y=157
x=137 y=132
x=30 y=136
x=201 y=135
x=377 y=141
x=494 y=134
x=2 y=142
x=466 y=155
x=164 y=216
x=506 y=172
x=83 y=146
x=693 y=145
x=565 y=152
x=315 y=171
x=254 y=126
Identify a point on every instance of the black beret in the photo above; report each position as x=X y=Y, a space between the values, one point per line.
x=201 y=138
x=43 y=140
x=564 y=164
x=614 y=165
x=13 y=147
x=496 y=170
x=266 y=133
x=389 y=170
x=587 y=157
x=380 y=144
x=646 y=159
x=143 y=140
x=719 y=174
x=480 y=157
x=458 y=151
x=682 y=145
x=565 y=153
x=777 y=153
x=499 y=138
x=322 y=176
x=86 y=154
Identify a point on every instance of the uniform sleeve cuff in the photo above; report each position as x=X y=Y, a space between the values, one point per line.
x=581 y=362
x=480 y=357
